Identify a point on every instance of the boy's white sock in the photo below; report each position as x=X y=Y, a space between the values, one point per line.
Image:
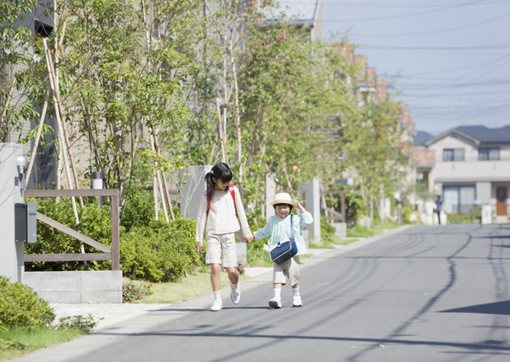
x=277 y=293
x=295 y=291
x=234 y=286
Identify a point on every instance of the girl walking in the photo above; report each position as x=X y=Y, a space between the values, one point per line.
x=221 y=215
x=282 y=227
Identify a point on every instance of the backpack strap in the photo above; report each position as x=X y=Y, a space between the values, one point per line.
x=233 y=194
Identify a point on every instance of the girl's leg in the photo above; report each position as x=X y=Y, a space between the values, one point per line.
x=229 y=260
x=215 y=277
x=233 y=275
x=213 y=258
x=216 y=287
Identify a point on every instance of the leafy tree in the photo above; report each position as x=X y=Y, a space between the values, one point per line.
x=15 y=57
x=375 y=149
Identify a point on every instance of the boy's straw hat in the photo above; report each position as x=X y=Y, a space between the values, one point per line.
x=282 y=198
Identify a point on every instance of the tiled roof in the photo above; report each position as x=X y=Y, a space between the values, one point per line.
x=478 y=134
x=487 y=135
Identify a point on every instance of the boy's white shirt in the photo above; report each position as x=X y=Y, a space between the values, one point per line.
x=222 y=215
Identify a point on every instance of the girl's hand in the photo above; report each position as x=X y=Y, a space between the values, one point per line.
x=199 y=247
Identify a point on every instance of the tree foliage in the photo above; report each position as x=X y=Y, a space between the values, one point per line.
x=15 y=61
x=159 y=85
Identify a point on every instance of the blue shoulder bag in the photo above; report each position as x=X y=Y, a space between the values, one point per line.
x=284 y=250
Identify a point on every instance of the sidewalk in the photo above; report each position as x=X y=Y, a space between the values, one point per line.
x=118 y=320
x=105 y=315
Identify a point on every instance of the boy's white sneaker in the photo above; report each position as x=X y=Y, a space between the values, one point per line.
x=275 y=303
x=217 y=305
x=296 y=301
x=235 y=295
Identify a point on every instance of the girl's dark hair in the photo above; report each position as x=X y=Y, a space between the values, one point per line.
x=220 y=171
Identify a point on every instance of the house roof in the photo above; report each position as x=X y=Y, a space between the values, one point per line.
x=302 y=13
x=476 y=134
x=421 y=137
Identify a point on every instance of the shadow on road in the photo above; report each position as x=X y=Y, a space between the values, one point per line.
x=489 y=308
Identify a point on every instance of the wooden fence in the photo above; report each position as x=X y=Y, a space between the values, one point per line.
x=107 y=253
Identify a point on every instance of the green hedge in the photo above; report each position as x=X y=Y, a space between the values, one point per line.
x=21 y=307
x=160 y=252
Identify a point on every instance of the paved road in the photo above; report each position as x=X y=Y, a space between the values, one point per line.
x=428 y=293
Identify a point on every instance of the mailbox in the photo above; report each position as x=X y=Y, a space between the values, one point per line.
x=25 y=222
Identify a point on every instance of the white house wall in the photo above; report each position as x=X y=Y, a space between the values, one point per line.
x=470 y=170
x=483 y=175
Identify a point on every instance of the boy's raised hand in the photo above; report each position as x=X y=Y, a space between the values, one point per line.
x=299 y=206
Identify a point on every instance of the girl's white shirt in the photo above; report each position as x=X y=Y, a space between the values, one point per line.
x=222 y=215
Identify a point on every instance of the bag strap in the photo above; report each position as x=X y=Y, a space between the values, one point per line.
x=233 y=194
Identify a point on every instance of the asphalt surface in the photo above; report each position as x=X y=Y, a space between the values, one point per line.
x=426 y=293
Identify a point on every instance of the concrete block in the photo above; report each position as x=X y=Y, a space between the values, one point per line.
x=101 y=280
x=60 y=297
x=77 y=286
x=340 y=229
x=101 y=297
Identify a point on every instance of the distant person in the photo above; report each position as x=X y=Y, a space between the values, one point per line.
x=281 y=227
x=220 y=216
x=437 y=210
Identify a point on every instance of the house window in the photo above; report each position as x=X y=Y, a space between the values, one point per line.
x=459 y=199
x=453 y=154
x=488 y=154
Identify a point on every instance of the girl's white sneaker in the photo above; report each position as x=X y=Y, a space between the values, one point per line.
x=235 y=295
x=296 y=301
x=217 y=305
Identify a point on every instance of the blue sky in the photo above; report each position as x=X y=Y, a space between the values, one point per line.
x=447 y=60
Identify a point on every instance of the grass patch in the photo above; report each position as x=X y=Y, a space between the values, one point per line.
x=359 y=231
x=187 y=288
x=15 y=342
x=331 y=242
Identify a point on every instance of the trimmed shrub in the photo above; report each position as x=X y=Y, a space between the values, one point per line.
x=159 y=252
x=138 y=210
x=21 y=307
